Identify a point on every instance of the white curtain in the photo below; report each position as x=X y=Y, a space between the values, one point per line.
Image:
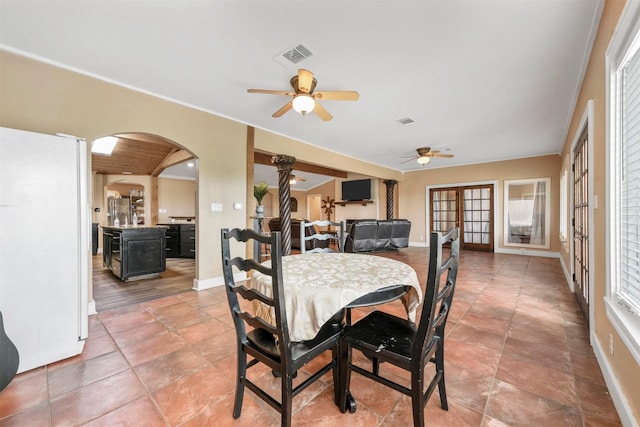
x=537 y=220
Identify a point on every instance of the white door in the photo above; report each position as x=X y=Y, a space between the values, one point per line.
x=314 y=209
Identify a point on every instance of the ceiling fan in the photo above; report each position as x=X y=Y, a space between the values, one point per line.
x=425 y=154
x=295 y=179
x=304 y=99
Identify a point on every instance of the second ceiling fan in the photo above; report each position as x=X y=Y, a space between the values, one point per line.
x=425 y=154
x=304 y=99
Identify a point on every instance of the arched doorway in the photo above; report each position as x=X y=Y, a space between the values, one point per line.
x=134 y=183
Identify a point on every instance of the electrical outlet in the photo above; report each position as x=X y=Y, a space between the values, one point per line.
x=611 y=344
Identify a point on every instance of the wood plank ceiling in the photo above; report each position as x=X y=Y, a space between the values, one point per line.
x=149 y=155
x=139 y=154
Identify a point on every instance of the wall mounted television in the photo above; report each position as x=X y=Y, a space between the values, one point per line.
x=359 y=189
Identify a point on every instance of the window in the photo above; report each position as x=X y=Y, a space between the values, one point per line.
x=623 y=203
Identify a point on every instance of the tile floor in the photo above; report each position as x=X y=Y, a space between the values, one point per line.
x=517 y=353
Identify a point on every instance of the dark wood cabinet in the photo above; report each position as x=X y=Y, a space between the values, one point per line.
x=181 y=240
x=134 y=253
x=172 y=237
x=187 y=240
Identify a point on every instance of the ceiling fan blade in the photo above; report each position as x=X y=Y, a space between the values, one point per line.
x=286 y=107
x=270 y=92
x=305 y=80
x=346 y=95
x=322 y=113
x=448 y=156
x=407 y=161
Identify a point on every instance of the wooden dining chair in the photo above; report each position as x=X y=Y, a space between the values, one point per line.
x=382 y=337
x=309 y=233
x=261 y=339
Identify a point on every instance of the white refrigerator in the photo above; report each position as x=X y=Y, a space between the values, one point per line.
x=45 y=232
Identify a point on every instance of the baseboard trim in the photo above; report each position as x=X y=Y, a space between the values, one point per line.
x=419 y=244
x=200 y=285
x=91 y=308
x=528 y=252
x=567 y=275
x=619 y=399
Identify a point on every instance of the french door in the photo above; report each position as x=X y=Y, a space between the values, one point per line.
x=581 y=224
x=467 y=207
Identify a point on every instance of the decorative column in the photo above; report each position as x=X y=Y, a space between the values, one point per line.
x=390 y=183
x=284 y=164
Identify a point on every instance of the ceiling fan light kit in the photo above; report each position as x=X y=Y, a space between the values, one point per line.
x=423 y=160
x=303 y=103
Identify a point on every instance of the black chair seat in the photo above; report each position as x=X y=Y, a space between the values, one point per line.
x=264 y=341
x=382 y=331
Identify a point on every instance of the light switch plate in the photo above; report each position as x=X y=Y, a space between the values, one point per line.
x=216 y=207
x=237 y=206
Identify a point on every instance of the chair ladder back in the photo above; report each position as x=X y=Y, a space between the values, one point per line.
x=437 y=298
x=267 y=342
x=276 y=301
x=304 y=238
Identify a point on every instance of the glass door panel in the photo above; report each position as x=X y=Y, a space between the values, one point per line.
x=472 y=204
x=581 y=224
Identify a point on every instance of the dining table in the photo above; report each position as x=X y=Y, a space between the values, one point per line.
x=319 y=286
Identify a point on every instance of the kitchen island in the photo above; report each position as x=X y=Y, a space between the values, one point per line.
x=134 y=252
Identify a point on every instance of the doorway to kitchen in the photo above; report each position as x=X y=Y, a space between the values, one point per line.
x=148 y=181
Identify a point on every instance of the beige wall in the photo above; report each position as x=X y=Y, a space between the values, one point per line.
x=328 y=189
x=624 y=367
x=42 y=98
x=177 y=197
x=413 y=195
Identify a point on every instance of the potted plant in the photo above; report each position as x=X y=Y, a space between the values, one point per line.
x=259 y=191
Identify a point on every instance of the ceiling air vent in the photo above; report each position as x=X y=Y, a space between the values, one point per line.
x=406 y=121
x=297 y=54
x=293 y=55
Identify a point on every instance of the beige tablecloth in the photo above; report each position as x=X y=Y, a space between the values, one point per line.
x=319 y=285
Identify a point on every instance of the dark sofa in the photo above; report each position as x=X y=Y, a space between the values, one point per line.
x=274 y=225
x=367 y=235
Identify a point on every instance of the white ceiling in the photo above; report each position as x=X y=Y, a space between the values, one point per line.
x=486 y=79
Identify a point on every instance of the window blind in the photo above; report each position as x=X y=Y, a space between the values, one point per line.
x=629 y=290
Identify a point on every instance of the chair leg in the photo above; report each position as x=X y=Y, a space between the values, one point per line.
x=440 y=368
x=417 y=397
x=335 y=357
x=375 y=366
x=345 y=400
x=287 y=399
x=242 y=372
